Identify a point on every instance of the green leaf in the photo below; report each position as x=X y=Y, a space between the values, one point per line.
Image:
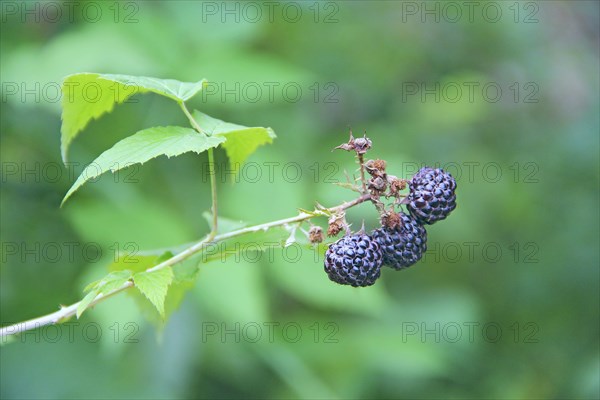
x=88 y=96
x=241 y=142
x=154 y=286
x=110 y=282
x=85 y=303
x=185 y=275
x=143 y=146
x=171 y=88
x=92 y=285
x=184 y=278
x=114 y=280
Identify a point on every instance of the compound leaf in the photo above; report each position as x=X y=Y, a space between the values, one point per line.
x=88 y=96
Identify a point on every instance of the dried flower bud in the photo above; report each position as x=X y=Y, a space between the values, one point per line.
x=360 y=145
x=377 y=184
x=370 y=167
x=375 y=167
x=390 y=220
x=379 y=164
x=336 y=224
x=333 y=230
x=396 y=185
x=315 y=234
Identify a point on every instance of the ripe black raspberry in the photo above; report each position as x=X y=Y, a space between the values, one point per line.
x=354 y=260
x=403 y=245
x=432 y=196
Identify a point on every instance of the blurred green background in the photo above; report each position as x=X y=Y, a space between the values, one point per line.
x=505 y=95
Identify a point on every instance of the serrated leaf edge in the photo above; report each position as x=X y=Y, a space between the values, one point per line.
x=160 y=312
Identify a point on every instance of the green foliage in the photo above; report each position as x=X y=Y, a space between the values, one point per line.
x=106 y=285
x=89 y=96
x=154 y=286
x=171 y=88
x=161 y=293
x=110 y=282
x=78 y=109
x=185 y=275
x=241 y=140
x=143 y=146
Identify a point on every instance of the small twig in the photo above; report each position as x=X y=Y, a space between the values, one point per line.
x=361 y=163
x=350 y=186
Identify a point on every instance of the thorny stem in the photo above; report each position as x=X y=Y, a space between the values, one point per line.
x=71 y=310
x=361 y=162
x=211 y=172
x=378 y=205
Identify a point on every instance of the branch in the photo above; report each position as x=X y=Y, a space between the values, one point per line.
x=69 y=311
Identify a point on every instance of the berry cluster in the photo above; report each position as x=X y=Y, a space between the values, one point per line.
x=356 y=259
